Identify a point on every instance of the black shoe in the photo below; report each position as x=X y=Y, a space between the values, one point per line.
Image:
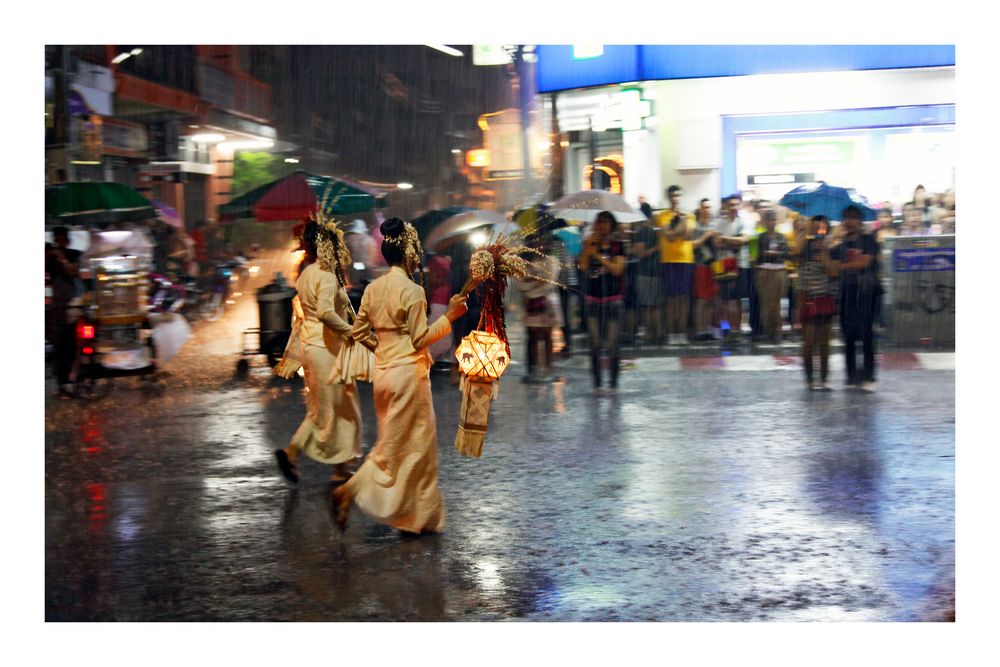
x=287 y=468
x=341 y=475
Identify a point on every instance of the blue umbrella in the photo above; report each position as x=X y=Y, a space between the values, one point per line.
x=829 y=200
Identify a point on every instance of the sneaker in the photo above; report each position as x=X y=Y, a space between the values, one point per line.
x=825 y=386
x=868 y=386
x=813 y=386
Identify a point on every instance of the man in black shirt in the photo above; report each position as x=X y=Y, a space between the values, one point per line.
x=857 y=258
x=62 y=264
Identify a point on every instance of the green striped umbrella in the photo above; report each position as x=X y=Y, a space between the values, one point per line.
x=94 y=203
x=298 y=195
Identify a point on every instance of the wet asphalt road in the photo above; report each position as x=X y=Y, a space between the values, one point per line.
x=691 y=496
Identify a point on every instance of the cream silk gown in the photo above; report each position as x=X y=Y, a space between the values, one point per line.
x=397 y=484
x=331 y=431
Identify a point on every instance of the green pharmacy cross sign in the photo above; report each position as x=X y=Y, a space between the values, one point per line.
x=625 y=109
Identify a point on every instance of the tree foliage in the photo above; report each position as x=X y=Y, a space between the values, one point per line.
x=251 y=170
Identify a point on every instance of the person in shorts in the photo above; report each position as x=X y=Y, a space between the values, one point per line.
x=649 y=279
x=677 y=260
x=731 y=243
x=706 y=289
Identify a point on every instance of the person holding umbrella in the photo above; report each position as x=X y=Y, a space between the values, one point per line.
x=818 y=287
x=856 y=254
x=603 y=262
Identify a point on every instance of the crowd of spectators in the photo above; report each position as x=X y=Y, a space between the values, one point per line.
x=678 y=278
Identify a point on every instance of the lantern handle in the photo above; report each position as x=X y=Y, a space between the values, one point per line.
x=470 y=285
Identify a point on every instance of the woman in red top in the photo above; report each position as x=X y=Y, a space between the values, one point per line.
x=438 y=293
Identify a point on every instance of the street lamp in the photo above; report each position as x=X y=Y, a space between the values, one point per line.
x=407 y=187
x=446 y=49
x=208 y=138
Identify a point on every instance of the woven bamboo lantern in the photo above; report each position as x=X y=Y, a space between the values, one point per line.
x=482 y=358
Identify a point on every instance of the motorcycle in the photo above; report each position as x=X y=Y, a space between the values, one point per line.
x=219 y=288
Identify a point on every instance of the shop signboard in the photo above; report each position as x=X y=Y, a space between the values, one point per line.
x=502 y=138
x=910 y=260
x=781 y=179
x=921 y=277
x=125 y=139
x=567 y=67
x=86 y=132
x=786 y=154
x=227 y=121
x=490 y=54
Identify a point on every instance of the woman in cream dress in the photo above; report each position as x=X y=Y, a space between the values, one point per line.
x=397 y=483
x=331 y=430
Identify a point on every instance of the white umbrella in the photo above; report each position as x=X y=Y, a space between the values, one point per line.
x=462 y=223
x=477 y=236
x=585 y=206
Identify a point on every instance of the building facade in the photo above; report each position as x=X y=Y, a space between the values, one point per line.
x=753 y=119
x=166 y=120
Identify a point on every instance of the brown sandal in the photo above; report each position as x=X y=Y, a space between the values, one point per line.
x=341 y=505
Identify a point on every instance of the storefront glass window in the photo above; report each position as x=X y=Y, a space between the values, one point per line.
x=883 y=164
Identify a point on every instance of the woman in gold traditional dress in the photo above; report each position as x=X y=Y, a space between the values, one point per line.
x=397 y=483
x=331 y=430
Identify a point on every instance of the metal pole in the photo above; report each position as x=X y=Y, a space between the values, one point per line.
x=524 y=100
x=557 y=183
x=593 y=156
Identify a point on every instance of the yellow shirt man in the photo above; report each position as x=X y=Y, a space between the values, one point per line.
x=680 y=250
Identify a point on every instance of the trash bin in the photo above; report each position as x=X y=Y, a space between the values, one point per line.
x=274 y=303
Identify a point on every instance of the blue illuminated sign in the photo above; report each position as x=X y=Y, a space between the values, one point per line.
x=559 y=70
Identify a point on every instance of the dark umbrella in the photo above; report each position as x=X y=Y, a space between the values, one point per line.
x=95 y=203
x=829 y=200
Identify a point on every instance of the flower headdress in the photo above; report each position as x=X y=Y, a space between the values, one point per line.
x=331 y=251
x=409 y=243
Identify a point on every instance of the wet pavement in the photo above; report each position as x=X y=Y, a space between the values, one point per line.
x=690 y=496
